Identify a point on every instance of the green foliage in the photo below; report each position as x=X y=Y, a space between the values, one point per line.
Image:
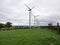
x=1 y=25
x=57 y=24
x=34 y=36
x=8 y=24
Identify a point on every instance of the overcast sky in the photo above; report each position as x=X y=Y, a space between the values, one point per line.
x=16 y=12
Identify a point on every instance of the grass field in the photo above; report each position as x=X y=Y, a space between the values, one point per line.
x=29 y=37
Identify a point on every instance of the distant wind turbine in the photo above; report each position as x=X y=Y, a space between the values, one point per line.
x=30 y=9
x=35 y=19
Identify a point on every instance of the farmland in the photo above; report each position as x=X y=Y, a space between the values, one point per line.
x=35 y=36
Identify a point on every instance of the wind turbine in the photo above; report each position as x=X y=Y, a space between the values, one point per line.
x=35 y=19
x=30 y=9
x=37 y=22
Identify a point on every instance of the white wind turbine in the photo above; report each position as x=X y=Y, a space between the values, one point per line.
x=30 y=9
x=35 y=19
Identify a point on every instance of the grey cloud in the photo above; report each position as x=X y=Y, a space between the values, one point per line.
x=16 y=12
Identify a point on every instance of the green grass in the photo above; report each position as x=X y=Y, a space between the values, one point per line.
x=29 y=37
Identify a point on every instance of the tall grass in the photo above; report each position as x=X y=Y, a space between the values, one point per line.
x=35 y=36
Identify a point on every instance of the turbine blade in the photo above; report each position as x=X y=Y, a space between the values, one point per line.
x=32 y=8
x=27 y=6
x=32 y=14
x=35 y=15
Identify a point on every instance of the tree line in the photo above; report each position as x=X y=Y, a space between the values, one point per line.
x=6 y=25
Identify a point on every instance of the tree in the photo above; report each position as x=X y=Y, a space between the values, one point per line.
x=57 y=24
x=58 y=28
x=1 y=25
x=8 y=24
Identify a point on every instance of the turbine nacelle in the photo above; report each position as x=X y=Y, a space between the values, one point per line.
x=29 y=10
x=29 y=7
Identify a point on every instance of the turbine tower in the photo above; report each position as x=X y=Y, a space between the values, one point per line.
x=35 y=19
x=37 y=22
x=30 y=9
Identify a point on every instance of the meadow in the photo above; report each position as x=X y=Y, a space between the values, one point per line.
x=35 y=36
